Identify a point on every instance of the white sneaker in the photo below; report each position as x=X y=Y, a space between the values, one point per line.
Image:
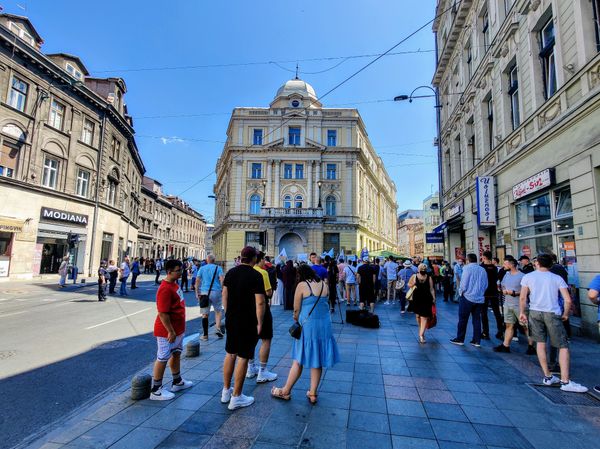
x=387 y=303
x=549 y=381
x=161 y=395
x=265 y=376
x=573 y=387
x=226 y=395
x=240 y=401
x=183 y=385
x=252 y=371
x=515 y=339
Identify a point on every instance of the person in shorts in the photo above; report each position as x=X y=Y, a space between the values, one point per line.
x=545 y=319
x=511 y=289
x=261 y=372
x=204 y=278
x=244 y=304
x=169 y=330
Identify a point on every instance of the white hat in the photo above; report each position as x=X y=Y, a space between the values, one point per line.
x=407 y=263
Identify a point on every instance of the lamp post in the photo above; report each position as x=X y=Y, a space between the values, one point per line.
x=438 y=108
x=264 y=184
x=319 y=184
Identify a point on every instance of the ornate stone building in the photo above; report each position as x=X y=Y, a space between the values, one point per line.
x=302 y=177
x=410 y=233
x=519 y=85
x=70 y=171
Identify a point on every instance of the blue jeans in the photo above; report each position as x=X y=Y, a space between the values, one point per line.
x=466 y=308
x=123 y=288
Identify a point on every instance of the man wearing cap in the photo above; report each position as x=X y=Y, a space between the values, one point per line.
x=366 y=284
x=244 y=304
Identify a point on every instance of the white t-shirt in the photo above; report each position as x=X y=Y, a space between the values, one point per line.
x=350 y=274
x=543 y=291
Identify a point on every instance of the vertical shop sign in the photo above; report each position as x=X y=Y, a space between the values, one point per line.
x=486 y=201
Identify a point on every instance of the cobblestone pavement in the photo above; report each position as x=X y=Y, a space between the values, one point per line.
x=388 y=391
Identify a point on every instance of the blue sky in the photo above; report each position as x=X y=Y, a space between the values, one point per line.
x=126 y=38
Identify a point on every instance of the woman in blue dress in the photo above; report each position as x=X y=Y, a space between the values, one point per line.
x=316 y=349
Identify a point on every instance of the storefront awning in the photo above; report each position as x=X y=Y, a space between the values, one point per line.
x=440 y=228
x=11 y=224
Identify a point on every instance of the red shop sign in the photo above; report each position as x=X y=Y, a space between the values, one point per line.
x=537 y=182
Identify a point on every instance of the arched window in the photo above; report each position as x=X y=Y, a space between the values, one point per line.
x=255 y=204
x=287 y=201
x=330 y=205
x=299 y=201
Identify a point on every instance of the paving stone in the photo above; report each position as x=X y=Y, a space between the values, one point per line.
x=335 y=387
x=282 y=431
x=455 y=445
x=366 y=369
x=395 y=392
x=329 y=417
x=365 y=389
x=262 y=445
x=395 y=370
x=365 y=359
x=459 y=432
x=168 y=419
x=70 y=431
x=203 y=423
x=448 y=412
x=103 y=435
x=462 y=386
x=334 y=400
x=243 y=427
x=134 y=415
x=190 y=401
x=502 y=436
x=440 y=396
x=401 y=442
x=339 y=375
x=425 y=372
x=429 y=383
x=400 y=381
x=368 y=404
x=477 y=399
x=358 y=439
x=184 y=440
x=410 y=426
x=405 y=408
x=142 y=438
x=318 y=436
x=208 y=387
x=223 y=442
x=485 y=415
x=368 y=421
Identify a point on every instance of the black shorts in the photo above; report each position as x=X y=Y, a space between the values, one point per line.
x=241 y=342
x=367 y=294
x=267 y=327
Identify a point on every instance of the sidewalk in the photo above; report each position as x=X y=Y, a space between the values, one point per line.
x=388 y=391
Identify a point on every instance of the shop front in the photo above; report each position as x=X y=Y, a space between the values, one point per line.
x=544 y=224
x=60 y=233
x=8 y=228
x=453 y=228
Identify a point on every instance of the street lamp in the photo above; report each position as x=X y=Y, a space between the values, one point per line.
x=412 y=96
x=264 y=184
x=319 y=184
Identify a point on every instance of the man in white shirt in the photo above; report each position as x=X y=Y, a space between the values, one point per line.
x=391 y=271
x=123 y=275
x=545 y=317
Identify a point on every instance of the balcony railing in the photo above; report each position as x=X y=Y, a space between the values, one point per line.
x=291 y=212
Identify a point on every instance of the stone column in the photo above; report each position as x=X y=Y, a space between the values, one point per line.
x=268 y=200
x=309 y=184
x=349 y=180
x=317 y=179
x=241 y=179
x=276 y=202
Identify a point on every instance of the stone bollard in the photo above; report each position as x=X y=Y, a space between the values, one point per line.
x=140 y=387
x=192 y=349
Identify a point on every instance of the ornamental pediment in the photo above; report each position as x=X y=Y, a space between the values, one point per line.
x=313 y=144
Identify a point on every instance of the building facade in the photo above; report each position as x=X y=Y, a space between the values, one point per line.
x=519 y=86
x=70 y=171
x=432 y=249
x=169 y=227
x=301 y=177
x=410 y=233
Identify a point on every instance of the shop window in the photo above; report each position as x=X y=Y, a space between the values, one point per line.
x=5 y=243
x=255 y=204
x=50 y=173
x=533 y=210
x=8 y=160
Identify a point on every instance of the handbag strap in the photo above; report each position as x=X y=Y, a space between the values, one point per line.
x=316 y=302
x=213 y=280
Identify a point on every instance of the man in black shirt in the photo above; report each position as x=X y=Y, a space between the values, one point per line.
x=366 y=285
x=244 y=304
x=526 y=265
x=491 y=298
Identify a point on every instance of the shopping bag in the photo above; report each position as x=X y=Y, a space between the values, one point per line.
x=432 y=321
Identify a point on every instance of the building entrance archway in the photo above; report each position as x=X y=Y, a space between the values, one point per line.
x=292 y=243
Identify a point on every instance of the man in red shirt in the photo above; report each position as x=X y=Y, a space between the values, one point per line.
x=169 y=330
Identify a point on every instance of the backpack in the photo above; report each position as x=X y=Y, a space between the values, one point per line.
x=272 y=272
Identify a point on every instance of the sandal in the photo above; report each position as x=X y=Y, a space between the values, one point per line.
x=422 y=339
x=312 y=398
x=277 y=393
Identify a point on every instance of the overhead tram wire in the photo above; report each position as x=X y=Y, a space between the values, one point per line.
x=337 y=86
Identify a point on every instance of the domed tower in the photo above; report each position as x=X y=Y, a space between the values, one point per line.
x=296 y=93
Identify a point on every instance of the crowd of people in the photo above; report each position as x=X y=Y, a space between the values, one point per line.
x=525 y=296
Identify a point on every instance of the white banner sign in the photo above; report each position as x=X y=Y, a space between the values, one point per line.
x=537 y=182
x=486 y=201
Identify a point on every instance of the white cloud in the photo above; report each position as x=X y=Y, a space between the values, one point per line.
x=174 y=139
